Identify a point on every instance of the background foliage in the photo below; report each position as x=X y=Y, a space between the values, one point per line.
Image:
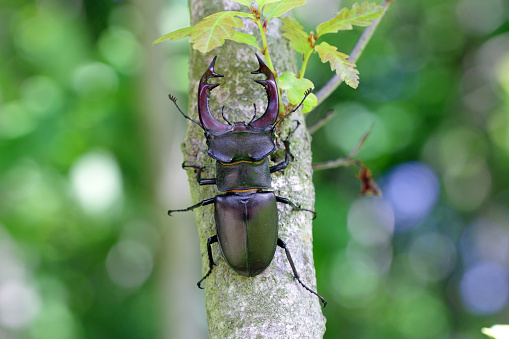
x=82 y=245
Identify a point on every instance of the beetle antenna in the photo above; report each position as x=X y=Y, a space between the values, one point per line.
x=222 y=113
x=172 y=98
x=254 y=116
x=308 y=92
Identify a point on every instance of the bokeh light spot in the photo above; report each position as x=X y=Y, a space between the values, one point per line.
x=480 y=17
x=96 y=181
x=15 y=120
x=502 y=71
x=371 y=221
x=120 y=48
x=469 y=187
x=485 y=240
x=412 y=190
x=498 y=127
x=401 y=123
x=95 y=80
x=432 y=256
x=485 y=288
x=428 y=320
x=39 y=34
x=356 y=280
x=458 y=146
x=129 y=263
x=41 y=95
x=19 y=304
x=56 y=321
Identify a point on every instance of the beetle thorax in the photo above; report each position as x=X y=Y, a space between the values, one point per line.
x=241 y=145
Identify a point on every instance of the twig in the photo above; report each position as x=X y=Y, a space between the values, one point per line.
x=347 y=161
x=321 y=122
x=336 y=80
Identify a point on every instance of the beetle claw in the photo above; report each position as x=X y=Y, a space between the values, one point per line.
x=196 y=167
x=205 y=277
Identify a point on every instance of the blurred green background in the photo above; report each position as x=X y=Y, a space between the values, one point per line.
x=90 y=161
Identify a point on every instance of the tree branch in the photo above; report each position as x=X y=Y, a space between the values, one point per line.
x=347 y=161
x=336 y=80
x=321 y=122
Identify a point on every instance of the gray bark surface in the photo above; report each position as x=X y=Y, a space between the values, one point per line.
x=272 y=304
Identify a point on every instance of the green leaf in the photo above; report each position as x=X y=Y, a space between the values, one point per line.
x=497 y=331
x=295 y=89
x=359 y=15
x=339 y=62
x=243 y=2
x=212 y=31
x=245 y=38
x=279 y=8
x=178 y=34
x=262 y=3
x=294 y=32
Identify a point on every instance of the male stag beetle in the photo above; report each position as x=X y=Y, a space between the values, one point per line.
x=246 y=216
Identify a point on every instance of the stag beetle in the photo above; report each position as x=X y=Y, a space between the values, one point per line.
x=246 y=216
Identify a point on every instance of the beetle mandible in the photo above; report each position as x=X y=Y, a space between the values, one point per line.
x=246 y=215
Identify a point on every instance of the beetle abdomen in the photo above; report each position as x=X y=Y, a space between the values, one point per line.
x=247 y=230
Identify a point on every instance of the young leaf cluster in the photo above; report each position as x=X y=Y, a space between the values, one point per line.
x=306 y=43
x=213 y=30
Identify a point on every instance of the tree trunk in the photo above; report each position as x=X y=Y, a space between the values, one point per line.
x=272 y=304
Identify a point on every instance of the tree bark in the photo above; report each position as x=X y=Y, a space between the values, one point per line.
x=272 y=304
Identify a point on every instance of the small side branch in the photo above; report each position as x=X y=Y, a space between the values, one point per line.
x=347 y=161
x=336 y=80
x=368 y=184
x=321 y=122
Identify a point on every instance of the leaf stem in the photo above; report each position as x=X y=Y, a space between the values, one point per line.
x=265 y=51
x=336 y=80
x=305 y=63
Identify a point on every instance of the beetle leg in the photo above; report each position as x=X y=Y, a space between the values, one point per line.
x=286 y=142
x=201 y=181
x=201 y=203
x=295 y=207
x=210 y=241
x=282 y=244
